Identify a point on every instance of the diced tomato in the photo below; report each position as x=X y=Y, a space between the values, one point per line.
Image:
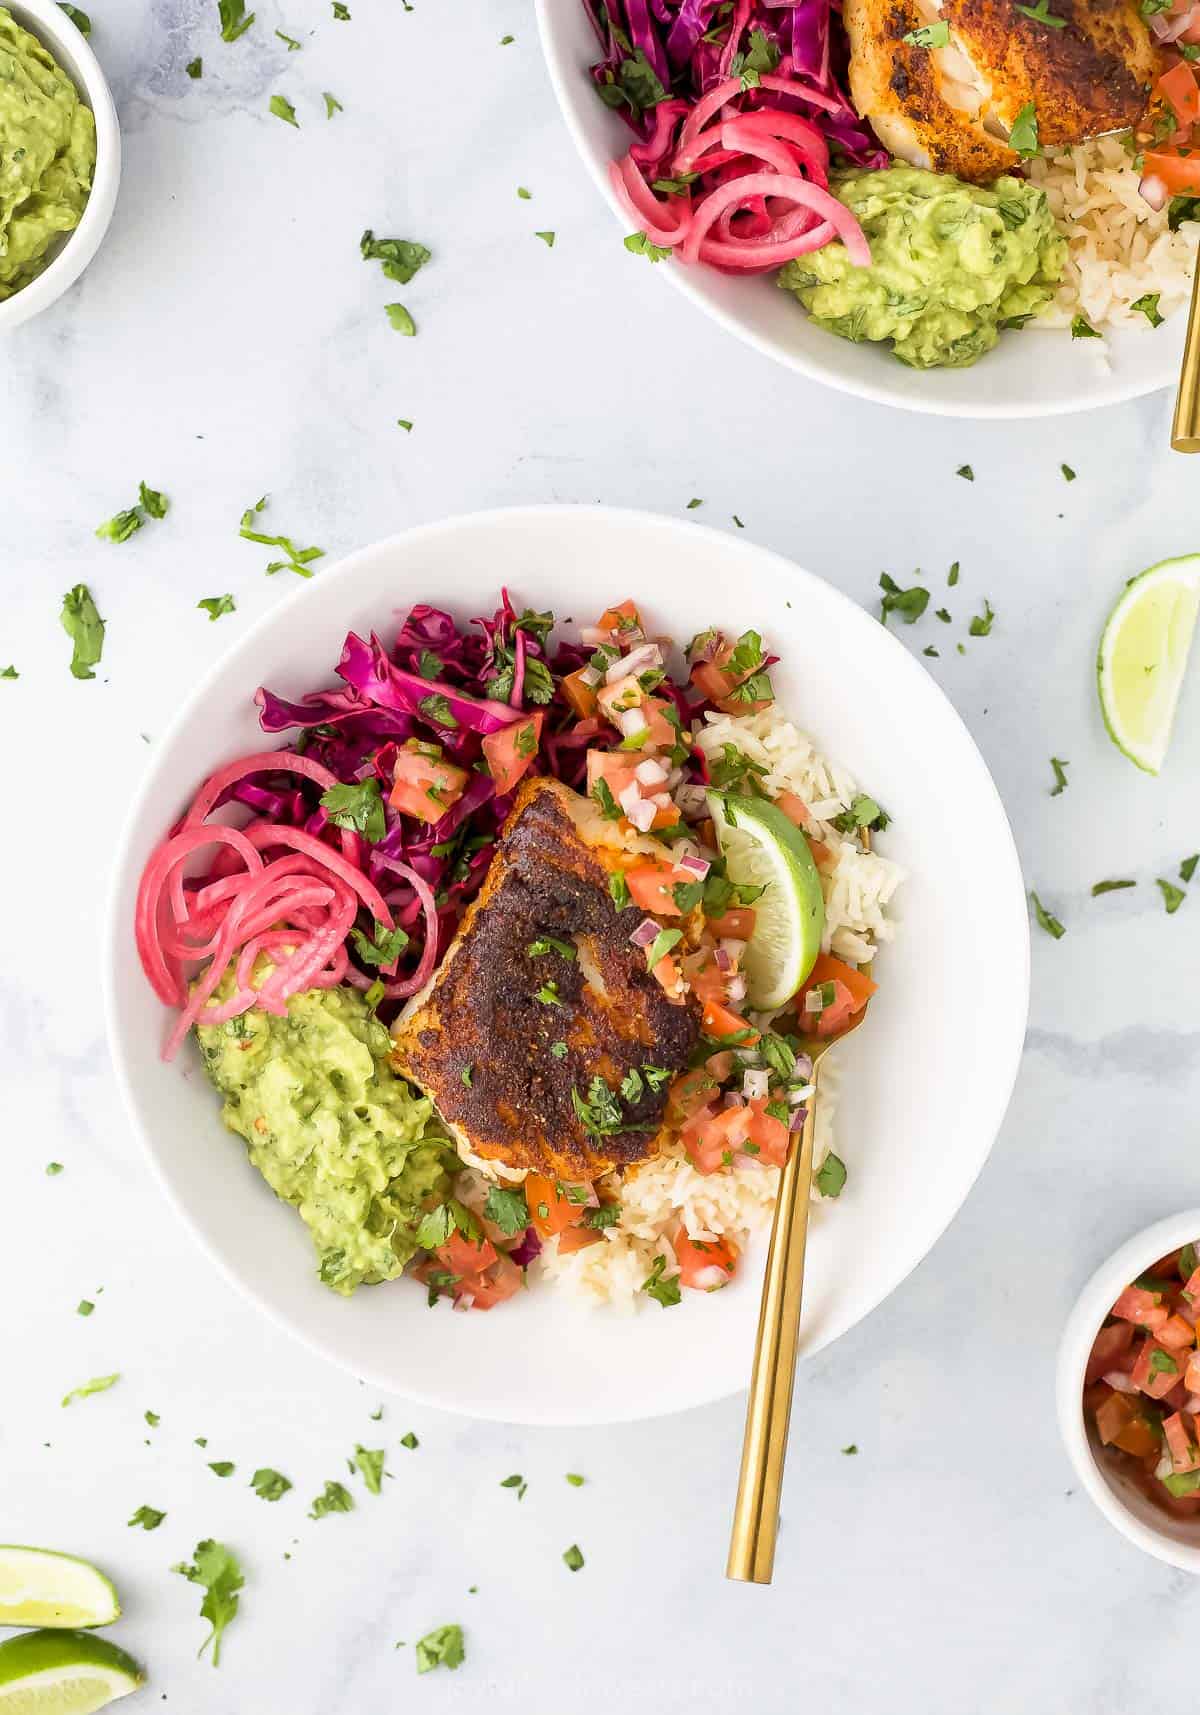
x=1179 y=173
x=650 y=887
x=827 y=969
x=623 y=617
x=461 y=1255
x=1157 y=1370
x=1191 y=1376
x=708 y=980
x=498 y=1283
x=720 y=1064
x=574 y=1239
x=711 y=1137
x=689 y=1093
x=661 y=733
x=735 y=925
x=665 y=816
x=1180 y=1431
x=1191 y=1291
x=668 y=976
x=711 y=682
x=821 y=854
x=1110 y=1351
x=549 y=1210
x=704 y=1264
x=424 y=786
x=796 y=810
x=1137 y=1304
x=614 y=769
x=1178 y=87
x=1120 y=1423
x=580 y=695
x=510 y=751
x=833 y=1018
x=768 y=1134
x=1177 y=1333
x=720 y=1021
x=621 y=695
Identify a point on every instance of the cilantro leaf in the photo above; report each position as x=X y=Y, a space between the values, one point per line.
x=1187 y=868
x=222 y=1467
x=573 y=1557
x=369 y=1461
x=216 y=605
x=1100 y=887
x=1173 y=897
x=195 y=68
x=1060 y=766
x=1148 y=305
x=661 y=946
x=216 y=1568
x=634 y=83
x=443 y=1647
x=1024 y=134
x=1046 y=919
x=282 y=108
x=910 y=604
x=332 y=105
x=981 y=625
x=830 y=1177
x=1081 y=328
x=401 y=257
x=359 y=807
x=384 y=949
x=401 y=320
x=506 y=1209
x=639 y=245
x=618 y=888
x=84 y=626
x=148 y=1517
x=98 y=1384
x=333 y=1499
x=929 y=35
x=664 y=1290
x=235 y=20
x=269 y=1485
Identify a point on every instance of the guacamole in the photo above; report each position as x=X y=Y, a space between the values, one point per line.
x=332 y=1129
x=951 y=264
x=47 y=155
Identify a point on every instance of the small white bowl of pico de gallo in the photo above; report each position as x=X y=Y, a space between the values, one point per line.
x=1129 y=1389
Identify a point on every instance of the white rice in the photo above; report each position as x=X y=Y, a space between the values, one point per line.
x=665 y=1192
x=1119 y=248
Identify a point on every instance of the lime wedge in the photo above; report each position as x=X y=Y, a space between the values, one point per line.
x=41 y=1588
x=1143 y=656
x=762 y=848
x=63 y=1673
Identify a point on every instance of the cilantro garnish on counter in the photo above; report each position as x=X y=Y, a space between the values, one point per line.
x=664 y=1290
x=410 y=1441
x=269 y=1485
x=282 y=108
x=333 y=1499
x=1100 y=887
x=1060 y=765
x=216 y=1568
x=910 y=604
x=1173 y=897
x=443 y=1647
x=981 y=625
x=368 y=1461
x=235 y=20
x=573 y=1557
x=830 y=1177
x=332 y=105
x=216 y=605
x=547 y=239
x=1187 y=868
x=517 y=1482
x=400 y=257
x=298 y=559
x=83 y=625
x=148 y=1517
x=401 y=320
x=98 y=1384
x=222 y=1467
x=965 y=471
x=1046 y=919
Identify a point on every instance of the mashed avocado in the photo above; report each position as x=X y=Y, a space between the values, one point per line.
x=951 y=264
x=47 y=155
x=332 y=1129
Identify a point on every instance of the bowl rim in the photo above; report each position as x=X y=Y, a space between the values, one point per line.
x=70 y=47
x=115 y=936
x=1082 y=1325
x=1135 y=387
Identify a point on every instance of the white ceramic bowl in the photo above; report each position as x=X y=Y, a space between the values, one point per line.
x=74 y=250
x=926 y=1083
x=1177 y=1541
x=1031 y=374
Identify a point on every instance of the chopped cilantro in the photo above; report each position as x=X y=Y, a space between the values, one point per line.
x=661 y=946
x=575 y=1480
x=1023 y=137
x=235 y=20
x=148 y=1517
x=53 y=1168
x=1041 y=14
x=1100 y=887
x=548 y=995
x=292 y=45
x=1060 y=766
x=517 y=1482
x=269 y=1485
x=443 y=1647
x=952 y=575
x=965 y=471
x=864 y=812
x=660 y=1287
x=1068 y=473
x=1187 y=868
x=1046 y=919
x=547 y=239
x=400 y=257
x=222 y=1467
x=195 y=68
x=216 y=1568
x=369 y=1461
x=559 y=1050
x=332 y=105
x=830 y=1177
x=1173 y=897
x=910 y=604
x=638 y=244
x=573 y=1557
x=1081 y=328
x=603 y=1215
x=409 y=1440
x=609 y=808
x=400 y=319
x=549 y=944
x=358 y=807
x=282 y=108
x=1148 y=305
x=152 y=1418
x=981 y=625
x=84 y=626
x=216 y=605
x=98 y=1384
x=334 y=1499
x=929 y=35
x=506 y=1209
x=84 y=1307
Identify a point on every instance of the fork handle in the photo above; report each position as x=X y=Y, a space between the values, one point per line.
x=756 y=1510
x=1185 y=431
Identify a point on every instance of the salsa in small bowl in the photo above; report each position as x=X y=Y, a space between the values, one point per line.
x=1129 y=1389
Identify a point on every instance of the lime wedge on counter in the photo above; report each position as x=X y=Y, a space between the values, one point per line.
x=41 y=1588
x=63 y=1673
x=762 y=848
x=1143 y=657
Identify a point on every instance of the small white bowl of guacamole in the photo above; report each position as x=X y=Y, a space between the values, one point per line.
x=60 y=157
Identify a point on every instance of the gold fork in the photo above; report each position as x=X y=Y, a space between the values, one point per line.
x=769 y=1408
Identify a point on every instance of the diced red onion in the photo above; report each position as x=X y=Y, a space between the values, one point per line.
x=696 y=866
x=631 y=722
x=1153 y=190
x=804 y=1066
x=737 y=988
x=723 y=961
x=692 y=802
x=797 y=1119
x=710 y=1277
x=798 y=1096
x=1120 y=1382
x=1164 y=1467
x=733 y=947
x=756 y=1084
x=592 y=634
x=640 y=660
x=589 y=676
x=642 y=816
x=464 y=1301
x=731 y=1099
x=646 y=933
x=650 y=772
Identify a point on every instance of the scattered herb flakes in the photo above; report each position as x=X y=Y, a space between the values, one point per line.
x=830 y=1177
x=692 y=504
x=410 y=1441
x=943 y=613
x=282 y=108
x=334 y=1499
x=98 y=1384
x=200 y=1441
x=290 y=42
x=80 y=19
x=369 y=1462
x=1081 y=328
x=936 y=35
x=1060 y=765
x=952 y=575
x=525 y=195
x=215 y=605
x=443 y=1647
x=269 y=1485
x=1173 y=897
x=1046 y=919
x=1100 y=887
x=377 y=1414
x=298 y=559
x=507 y=41
x=9 y=672
x=53 y=1169
x=195 y=68
x=930 y=650
x=547 y=239
x=152 y=1418
x=332 y=105
x=341 y=12
x=910 y=604
x=384 y=948
x=400 y=258
x=657 y=1286
x=573 y=1558
x=965 y=471
x=559 y=1050
x=84 y=1307
x=216 y=1568
x=1187 y=868
x=235 y=20
x=405 y=424
x=981 y=625
x=1023 y=136
x=737 y=520
x=148 y=1517
x=357 y=807
x=222 y=1467
x=575 y=1480
x=400 y=319
x=517 y=1482
x=83 y=625
x=1148 y=305
x=852 y=1449
x=1068 y=473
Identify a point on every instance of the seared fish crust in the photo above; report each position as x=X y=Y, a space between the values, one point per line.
x=952 y=108
x=479 y=1042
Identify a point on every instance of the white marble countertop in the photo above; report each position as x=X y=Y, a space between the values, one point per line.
x=229 y=341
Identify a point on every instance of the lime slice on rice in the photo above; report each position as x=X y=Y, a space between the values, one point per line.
x=63 y=1673
x=41 y=1588
x=762 y=848
x=1143 y=657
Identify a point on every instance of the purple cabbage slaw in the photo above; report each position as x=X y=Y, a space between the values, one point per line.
x=690 y=45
